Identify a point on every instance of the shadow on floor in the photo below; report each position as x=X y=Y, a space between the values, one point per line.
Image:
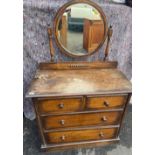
x=31 y=140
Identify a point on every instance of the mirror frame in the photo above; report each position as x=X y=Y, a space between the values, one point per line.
x=60 y=13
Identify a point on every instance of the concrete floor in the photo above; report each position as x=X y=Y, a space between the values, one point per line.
x=31 y=141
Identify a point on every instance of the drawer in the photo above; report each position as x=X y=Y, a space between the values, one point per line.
x=84 y=119
x=59 y=105
x=106 y=102
x=81 y=135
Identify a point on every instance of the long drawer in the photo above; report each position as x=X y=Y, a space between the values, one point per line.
x=105 y=102
x=81 y=135
x=59 y=105
x=82 y=119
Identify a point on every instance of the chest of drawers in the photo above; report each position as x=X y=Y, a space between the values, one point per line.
x=79 y=107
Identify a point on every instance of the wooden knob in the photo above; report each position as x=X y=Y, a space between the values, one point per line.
x=101 y=134
x=61 y=105
x=62 y=138
x=106 y=103
x=104 y=118
x=62 y=122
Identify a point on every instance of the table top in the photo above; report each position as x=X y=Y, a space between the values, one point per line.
x=49 y=83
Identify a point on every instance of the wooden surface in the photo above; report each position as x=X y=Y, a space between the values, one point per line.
x=78 y=82
x=79 y=145
x=87 y=119
x=63 y=31
x=78 y=65
x=79 y=103
x=81 y=135
x=52 y=52
x=59 y=105
x=47 y=106
x=110 y=32
x=105 y=102
x=93 y=34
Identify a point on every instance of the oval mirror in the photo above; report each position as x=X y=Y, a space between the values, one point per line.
x=80 y=28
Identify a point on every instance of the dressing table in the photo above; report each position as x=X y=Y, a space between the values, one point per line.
x=79 y=104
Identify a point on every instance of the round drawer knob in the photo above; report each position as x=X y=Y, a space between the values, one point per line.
x=62 y=138
x=106 y=103
x=101 y=134
x=62 y=122
x=104 y=119
x=61 y=105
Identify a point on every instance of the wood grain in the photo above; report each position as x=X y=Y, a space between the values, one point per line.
x=106 y=102
x=80 y=135
x=78 y=145
x=52 y=52
x=93 y=34
x=110 y=32
x=78 y=65
x=83 y=119
x=59 y=105
x=78 y=82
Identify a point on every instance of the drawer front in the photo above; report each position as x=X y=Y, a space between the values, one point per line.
x=106 y=102
x=87 y=119
x=81 y=135
x=59 y=105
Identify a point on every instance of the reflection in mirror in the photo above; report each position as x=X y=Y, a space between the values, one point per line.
x=80 y=29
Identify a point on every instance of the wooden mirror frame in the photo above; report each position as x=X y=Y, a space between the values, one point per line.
x=60 y=13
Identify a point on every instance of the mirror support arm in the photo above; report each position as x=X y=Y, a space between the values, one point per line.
x=110 y=32
x=49 y=30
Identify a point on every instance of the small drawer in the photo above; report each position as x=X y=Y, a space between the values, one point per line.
x=59 y=105
x=84 y=119
x=106 y=102
x=81 y=135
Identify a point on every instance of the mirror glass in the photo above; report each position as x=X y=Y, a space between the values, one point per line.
x=80 y=29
